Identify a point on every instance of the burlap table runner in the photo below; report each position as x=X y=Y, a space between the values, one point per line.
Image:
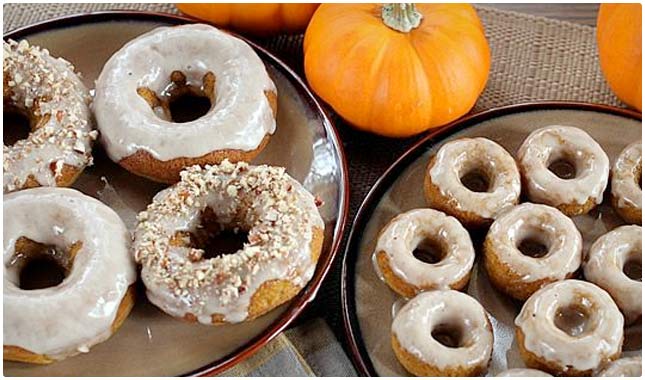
x=533 y=58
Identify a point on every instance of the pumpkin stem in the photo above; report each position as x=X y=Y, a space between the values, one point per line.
x=402 y=17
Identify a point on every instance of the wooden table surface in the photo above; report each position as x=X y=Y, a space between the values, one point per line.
x=578 y=13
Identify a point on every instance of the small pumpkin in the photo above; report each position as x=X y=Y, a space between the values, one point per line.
x=257 y=19
x=397 y=69
x=619 y=47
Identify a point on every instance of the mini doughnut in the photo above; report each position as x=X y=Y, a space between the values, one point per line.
x=48 y=92
x=552 y=245
x=443 y=333
x=606 y=265
x=89 y=242
x=523 y=372
x=625 y=367
x=554 y=145
x=569 y=328
x=429 y=229
x=139 y=84
x=489 y=165
x=626 y=192
x=285 y=234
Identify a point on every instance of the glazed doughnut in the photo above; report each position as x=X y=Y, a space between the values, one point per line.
x=523 y=372
x=625 y=367
x=626 y=192
x=551 y=243
x=569 y=328
x=606 y=267
x=443 y=333
x=89 y=242
x=48 y=92
x=285 y=234
x=425 y=229
x=481 y=160
x=582 y=187
x=139 y=84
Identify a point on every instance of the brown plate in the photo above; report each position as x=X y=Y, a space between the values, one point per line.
x=368 y=304
x=150 y=343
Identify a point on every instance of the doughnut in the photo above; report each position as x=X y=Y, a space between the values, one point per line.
x=611 y=258
x=142 y=86
x=529 y=246
x=582 y=165
x=625 y=367
x=285 y=234
x=482 y=164
x=523 y=372
x=443 y=333
x=430 y=231
x=569 y=328
x=89 y=245
x=50 y=95
x=626 y=176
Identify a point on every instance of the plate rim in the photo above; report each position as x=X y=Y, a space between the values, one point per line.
x=307 y=295
x=358 y=353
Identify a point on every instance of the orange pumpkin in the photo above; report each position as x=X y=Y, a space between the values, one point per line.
x=619 y=46
x=257 y=19
x=397 y=69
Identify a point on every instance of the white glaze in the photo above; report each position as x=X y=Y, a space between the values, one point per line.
x=414 y=324
x=280 y=217
x=604 y=267
x=78 y=313
x=523 y=372
x=43 y=85
x=548 y=144
x=404 y=233
x=544 y=224
x=456 y=158
x=240 y=118
x=624 y=184
x=584 y=352
x=625 y=367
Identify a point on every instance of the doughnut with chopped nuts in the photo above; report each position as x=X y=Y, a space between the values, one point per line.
x=232 y=101
x=285 y=235
x=48 y=92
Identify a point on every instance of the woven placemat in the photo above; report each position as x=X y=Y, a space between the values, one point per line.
x=533 y=58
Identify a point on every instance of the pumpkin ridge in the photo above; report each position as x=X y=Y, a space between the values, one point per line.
x=440 y=74
x=353 y=55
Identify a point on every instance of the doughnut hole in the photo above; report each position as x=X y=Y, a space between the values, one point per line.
x=16 y=125
x=450 y=334
x=224 y=243
x=575 y=319
x=476 y=180
x=211 y=238
x=633 y=268
x=533 y=246
x=188 y=107
x=181 y=101
x=39 y=266
x=429 y=251
x=563 y=165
